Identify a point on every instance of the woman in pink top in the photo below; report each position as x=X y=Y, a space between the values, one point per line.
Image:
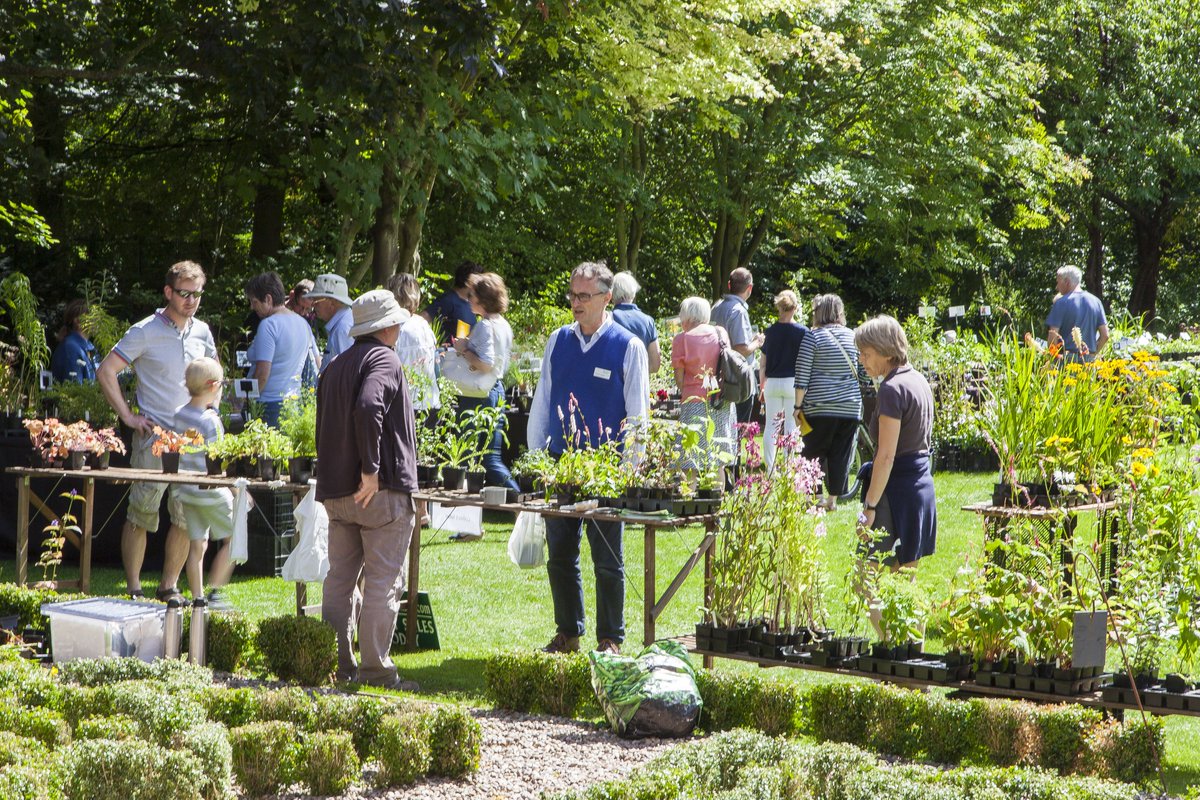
x=694 y=355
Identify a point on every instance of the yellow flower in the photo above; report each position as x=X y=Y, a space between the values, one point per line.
x=1069 y=382
x=1073 y=367
x=1143 y=452
x=1138 y=469
x=1126 y=440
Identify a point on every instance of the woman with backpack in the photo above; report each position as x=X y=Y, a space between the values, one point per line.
x=695 y=356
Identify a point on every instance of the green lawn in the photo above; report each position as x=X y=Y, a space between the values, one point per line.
x=482 y=602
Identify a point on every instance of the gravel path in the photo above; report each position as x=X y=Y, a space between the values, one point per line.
x=524 y=756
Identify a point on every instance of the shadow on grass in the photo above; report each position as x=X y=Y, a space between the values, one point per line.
x=457 y=677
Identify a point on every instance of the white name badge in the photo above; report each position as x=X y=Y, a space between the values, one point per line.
x=602 y=374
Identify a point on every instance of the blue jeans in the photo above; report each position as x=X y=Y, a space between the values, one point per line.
x=271 y=411
x=563 y=536
x=493 y=464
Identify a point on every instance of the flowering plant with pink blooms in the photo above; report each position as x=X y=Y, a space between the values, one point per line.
x=767 y=559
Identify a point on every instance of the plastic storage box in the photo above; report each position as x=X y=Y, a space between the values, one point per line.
x=101 y=627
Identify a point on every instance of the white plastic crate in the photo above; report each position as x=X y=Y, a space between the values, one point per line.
x=102 y=627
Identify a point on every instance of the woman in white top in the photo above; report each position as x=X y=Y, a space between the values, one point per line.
x=488 y=349
x=416 y=346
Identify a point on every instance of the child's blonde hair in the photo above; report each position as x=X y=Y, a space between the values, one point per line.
x=200 y=375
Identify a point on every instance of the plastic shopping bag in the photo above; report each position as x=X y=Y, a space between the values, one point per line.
x=654 y=694
x=309 y=560
x=526 y=545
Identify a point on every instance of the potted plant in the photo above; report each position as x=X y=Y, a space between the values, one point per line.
x=168 y=445
x=259 y=448
x=46 y=439
x=77 y=439
x=298 y=422
x=104 y=443
x=534 y=470
x=477 y=426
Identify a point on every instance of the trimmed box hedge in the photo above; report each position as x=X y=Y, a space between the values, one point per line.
x=744 y=765
x=879 y=717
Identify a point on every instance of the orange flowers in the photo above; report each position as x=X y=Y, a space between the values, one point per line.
x=172 y=442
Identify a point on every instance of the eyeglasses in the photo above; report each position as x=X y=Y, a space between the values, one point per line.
x=582 y=297
x=188 y=294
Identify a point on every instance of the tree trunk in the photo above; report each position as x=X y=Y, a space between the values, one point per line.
x=384 y=233
x=266 y=238
x=1093 y=275
x=413 y=225
x=1149 y=230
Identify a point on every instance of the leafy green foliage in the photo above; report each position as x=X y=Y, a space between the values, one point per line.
x=209 y=744
x=301 y=649
x=264 y=756
x=327 y=762
x=455 y=739
x=540 y=682
x=230 y=636
x=128 y=770
x=117 y=727
x=402 y=749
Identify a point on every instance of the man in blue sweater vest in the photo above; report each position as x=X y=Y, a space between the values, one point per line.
x=594 y=377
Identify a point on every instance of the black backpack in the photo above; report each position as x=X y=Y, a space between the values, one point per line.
x=735 y=376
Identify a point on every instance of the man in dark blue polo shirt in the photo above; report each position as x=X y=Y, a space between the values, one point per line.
x=445 y=313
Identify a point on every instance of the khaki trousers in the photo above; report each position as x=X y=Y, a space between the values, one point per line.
x=370 y=542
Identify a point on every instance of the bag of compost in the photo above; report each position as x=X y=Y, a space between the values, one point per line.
x=654 y=694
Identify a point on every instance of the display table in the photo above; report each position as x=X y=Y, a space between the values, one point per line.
x=1057 y=524
x=83 y=541
x=651 y=525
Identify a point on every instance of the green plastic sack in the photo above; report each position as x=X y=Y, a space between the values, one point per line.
x=654 y=694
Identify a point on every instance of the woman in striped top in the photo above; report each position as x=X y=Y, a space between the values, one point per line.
x=828 y=389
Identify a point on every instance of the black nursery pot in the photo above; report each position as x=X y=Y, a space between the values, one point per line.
x=212 y=465
x=475 y=482
x=266 y=469
x=300 y=469
x=99 y=461
x=452 y=478
x=76 y=459
x=170 y=462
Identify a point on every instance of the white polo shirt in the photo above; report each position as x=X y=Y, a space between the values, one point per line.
x=159 y=353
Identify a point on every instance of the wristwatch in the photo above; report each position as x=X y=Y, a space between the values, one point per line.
x=797 y=407
x=869 y=506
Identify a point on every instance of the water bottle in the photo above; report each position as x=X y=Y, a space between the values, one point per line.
x=197 y=643
x=173 y=629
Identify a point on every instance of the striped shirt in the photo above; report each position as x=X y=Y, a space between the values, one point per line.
x=831 y=388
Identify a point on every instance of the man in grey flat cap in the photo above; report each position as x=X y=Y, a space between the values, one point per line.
x=367 y=449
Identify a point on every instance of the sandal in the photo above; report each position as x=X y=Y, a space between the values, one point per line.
x=164 y=594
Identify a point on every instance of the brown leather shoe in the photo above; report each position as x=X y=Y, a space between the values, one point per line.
x=561 y=643
x=608 y=646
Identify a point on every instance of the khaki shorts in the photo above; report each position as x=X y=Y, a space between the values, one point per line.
x=203 y=513
x=145 y=498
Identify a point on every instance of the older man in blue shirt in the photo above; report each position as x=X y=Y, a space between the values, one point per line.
x=732 y=313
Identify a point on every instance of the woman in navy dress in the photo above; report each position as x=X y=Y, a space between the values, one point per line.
x=899 y=495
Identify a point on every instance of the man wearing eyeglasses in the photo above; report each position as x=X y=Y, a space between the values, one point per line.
x=158 y=349
x=594 y=377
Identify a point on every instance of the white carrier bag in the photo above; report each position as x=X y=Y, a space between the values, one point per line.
x=309 y=560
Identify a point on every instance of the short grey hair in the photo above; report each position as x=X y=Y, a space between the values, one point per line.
x=695 y=310
x=828 y=310
x=1073 y=275
x=596 y=271
x=625 y=287
x=885 y=336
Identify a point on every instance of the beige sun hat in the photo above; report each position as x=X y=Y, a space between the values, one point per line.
x=332 y=286
x=375 y=310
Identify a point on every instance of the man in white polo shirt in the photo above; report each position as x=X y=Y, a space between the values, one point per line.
x=158 y=348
